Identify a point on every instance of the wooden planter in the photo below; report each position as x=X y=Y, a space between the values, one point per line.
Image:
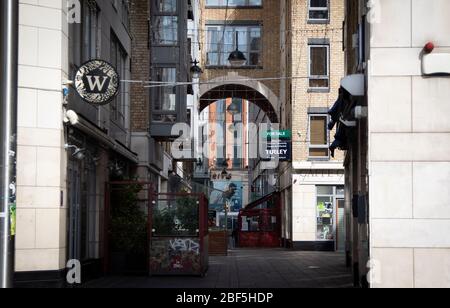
x=218 y=243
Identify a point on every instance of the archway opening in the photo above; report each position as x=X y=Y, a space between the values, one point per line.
x=234 y=90
x=229 y=114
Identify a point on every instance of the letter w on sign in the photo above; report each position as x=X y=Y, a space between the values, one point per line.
x=96 y=82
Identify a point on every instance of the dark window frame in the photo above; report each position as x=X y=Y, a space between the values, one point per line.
x=319 y=77
x=248 y=52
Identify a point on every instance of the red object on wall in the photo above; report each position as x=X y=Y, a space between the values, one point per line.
x=260 y=223
x=429 y=47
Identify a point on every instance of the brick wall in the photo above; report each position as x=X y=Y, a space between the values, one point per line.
x=269 y=15
x=302 y=99
x=285 y=36
x=140 y=68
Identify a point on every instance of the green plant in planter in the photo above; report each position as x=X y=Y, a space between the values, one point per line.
x=128 y=228
x=164 y=221
x=180 y=218
x=187 y=214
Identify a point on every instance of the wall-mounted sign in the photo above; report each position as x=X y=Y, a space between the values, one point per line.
x=97 y=82
x=281 y=134
x=280 y=149
x=279 y=145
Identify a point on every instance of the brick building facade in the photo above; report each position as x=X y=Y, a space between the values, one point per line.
x=313 y=61
x=295 y=78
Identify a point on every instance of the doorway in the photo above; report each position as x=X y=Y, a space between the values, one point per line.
x=74 y=177
x=340 y=223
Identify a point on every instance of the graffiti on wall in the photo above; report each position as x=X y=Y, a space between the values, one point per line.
x=184 y=245
x=177 y=256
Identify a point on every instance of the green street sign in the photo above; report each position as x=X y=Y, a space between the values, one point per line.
x=280 y=134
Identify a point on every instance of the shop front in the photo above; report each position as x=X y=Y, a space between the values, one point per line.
x=318 y=212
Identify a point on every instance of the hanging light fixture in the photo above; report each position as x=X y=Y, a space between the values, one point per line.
x=234 y=108
x=237 y=58
x=196 y=71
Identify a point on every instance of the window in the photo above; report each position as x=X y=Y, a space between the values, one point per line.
x=233 y=3
x=319 y=77
x=327 y=198
x=165 y=27
x=221 y=134
x=165 y=98
x=119 y=59
x=221 y=43
x=237 y=135
x=318 y=10
x=166 y=6
x=318 y=136
x=90 y=30
x=126 y=13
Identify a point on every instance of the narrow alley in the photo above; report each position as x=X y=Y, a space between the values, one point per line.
x=252 y=268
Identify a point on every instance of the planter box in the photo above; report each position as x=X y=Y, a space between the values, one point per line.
x=218 y=243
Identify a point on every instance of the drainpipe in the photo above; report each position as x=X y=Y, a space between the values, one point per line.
x=8 y=136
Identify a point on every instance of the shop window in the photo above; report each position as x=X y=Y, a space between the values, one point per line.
x=327 y=198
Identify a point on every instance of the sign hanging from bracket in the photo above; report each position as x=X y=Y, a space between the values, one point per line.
x=97 y=82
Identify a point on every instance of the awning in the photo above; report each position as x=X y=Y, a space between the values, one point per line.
x=354 y=84
x=99 y=135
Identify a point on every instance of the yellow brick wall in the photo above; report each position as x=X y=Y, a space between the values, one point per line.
x=269 y=15
x=295 y=34
x=301 y=31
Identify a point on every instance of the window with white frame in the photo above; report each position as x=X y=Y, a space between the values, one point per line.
x=319 y=70
x=318 y=10
x=318 y=136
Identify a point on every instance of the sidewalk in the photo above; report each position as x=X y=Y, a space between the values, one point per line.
x=268 y=268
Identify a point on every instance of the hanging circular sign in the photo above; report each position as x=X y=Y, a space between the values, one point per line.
x=97 y=82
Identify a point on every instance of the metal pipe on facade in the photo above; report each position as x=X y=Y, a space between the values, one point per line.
x=9 y=22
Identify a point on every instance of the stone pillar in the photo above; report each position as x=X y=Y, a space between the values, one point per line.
x=42 y=159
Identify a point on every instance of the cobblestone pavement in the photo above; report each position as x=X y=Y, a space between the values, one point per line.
x=265 y=268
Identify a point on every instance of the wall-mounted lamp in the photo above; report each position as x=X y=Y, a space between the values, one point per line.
x=116 y=169
x=196 y=71
x=78 y=154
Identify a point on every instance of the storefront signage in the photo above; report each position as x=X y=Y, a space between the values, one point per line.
x=279 y=145
x=97 y=82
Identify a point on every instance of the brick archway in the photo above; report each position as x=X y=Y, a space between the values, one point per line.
x=240 y=87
